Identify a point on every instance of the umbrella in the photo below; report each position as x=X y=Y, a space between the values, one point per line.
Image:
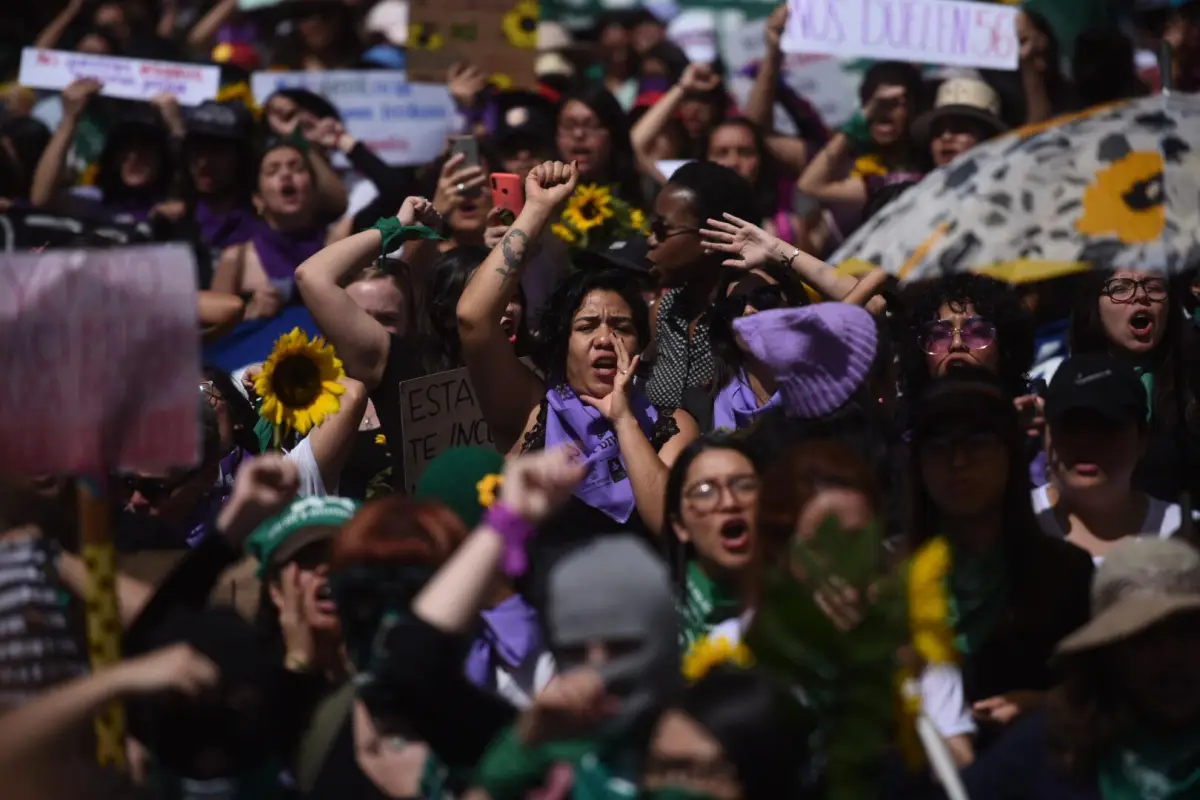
x=1111 y=187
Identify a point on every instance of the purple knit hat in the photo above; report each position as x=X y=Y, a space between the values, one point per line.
x=820 y=354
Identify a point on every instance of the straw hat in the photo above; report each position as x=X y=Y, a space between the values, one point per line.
x=1140 y=584
x=963 y=97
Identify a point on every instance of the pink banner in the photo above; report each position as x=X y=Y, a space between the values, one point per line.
x=99 y=360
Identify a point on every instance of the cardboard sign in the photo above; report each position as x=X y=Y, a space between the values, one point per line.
x=438 y=412
x=127 y=78
x=101 y=360
x=405 y=123
x=946 y=32
x=498 y=36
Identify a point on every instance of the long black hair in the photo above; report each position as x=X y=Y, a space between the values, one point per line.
x=555 y=321
x=622 y=168
x=242 y=416
x=676 y=552
x=135 y=131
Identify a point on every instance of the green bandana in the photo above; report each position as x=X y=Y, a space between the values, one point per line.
x=978 y=596
x=510 y=770
x=705 y=605
x=858 y=130
x=675 y=793
x=1147 y=377
x=394 y=234
x=1154 y=770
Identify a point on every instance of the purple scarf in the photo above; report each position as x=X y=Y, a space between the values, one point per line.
x=224 y=229
x=280 y=252
x=606 y=486
x=509 y=637
x=737 y=406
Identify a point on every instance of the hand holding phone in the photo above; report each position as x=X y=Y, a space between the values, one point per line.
x=508 y=192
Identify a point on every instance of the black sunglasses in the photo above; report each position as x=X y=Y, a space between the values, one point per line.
x=761 y=298
x=658 y=226
x=154 y=489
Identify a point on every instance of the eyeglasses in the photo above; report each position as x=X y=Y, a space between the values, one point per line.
x=705 y=495
x=945 y=444
x=1123 y=290
x=760 y=298
x=154 y=489
x=662 y=231
x=976 y=333
x=210 y=392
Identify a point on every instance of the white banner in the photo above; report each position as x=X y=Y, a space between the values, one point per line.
x=946 y=32
x=127 y=78
x=404 y=123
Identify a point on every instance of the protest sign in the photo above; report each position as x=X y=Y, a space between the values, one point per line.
x=438 y=412
x=404 y=123
x=946 y=32
x=127 y=78
x=100 y=360
x=498 y=36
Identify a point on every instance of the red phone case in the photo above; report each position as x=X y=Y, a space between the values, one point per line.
x=508 y=192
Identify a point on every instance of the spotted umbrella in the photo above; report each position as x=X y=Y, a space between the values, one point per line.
x=1112 y=187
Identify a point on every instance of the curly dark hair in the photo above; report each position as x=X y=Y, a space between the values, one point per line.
x=992 y=299
x=554 y=322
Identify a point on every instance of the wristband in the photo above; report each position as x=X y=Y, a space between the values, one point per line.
x=296 y=139
x=394 y=234
x=515 y=530
x=858 y=130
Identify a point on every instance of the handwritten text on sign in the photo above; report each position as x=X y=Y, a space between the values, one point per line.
x=946 y=32
x=439 y=412
x=128 y=78
x=100 y=360
x=405 y=123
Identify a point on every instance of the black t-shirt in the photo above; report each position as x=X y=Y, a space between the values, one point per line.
x=404 y=364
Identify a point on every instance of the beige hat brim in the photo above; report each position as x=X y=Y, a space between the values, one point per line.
x=1126 y=618
x=922 y=124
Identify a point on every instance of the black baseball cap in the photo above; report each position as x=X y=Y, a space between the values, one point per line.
x=966 y=393
x=216 y=120
x=1103 y=384
x=628 y=254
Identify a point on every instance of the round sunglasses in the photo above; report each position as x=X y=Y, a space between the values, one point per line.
x=976 y=333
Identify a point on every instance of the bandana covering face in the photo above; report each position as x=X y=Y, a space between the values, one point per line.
x=737 y=406
x=606 y=486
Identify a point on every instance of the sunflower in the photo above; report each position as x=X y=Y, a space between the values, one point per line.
x=521 y=25
x=299 y=383
x=637 y=220
x=589 y=207
x=424 y=37
x=487 y=487
x=381 y=439
x=564 y=232
x=712 y=651
x=1126 y=200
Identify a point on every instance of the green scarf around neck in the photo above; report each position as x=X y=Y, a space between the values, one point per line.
x=1153 y=768
x=705 y=604
x=978 y=594
x=510 y=769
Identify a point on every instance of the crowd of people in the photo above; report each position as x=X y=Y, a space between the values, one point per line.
x=751 y=527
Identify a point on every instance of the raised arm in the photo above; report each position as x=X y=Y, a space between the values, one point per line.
x=696 y=78
x=202 y=33
x=53 y=32
x=360 y=341
x=535 y=486
x=507 y=390
x=760 y=106
x=333 y=439
x=49 y=167
x=331 y=190
x=820 y=178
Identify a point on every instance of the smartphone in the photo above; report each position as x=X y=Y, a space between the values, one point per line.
x=469 y=148
x=508 y=192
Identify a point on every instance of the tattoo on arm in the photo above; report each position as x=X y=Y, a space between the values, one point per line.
x=514 y=246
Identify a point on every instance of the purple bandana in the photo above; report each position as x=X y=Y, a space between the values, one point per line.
x=510 y=635
x=280 y=252
x=569 y=420
x=224 y=228
x=737 y=406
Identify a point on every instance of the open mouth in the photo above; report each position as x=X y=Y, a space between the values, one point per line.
x=325 y=601
x=735 y=534
x=1087 y=469
x=605 y=366
x=1142 y=323
x=288 y=191
x=509 y=326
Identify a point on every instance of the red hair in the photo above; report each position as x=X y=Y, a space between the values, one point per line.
x=397 y=530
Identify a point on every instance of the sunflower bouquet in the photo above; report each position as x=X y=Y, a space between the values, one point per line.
x=594 y=217
x=299 y=384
